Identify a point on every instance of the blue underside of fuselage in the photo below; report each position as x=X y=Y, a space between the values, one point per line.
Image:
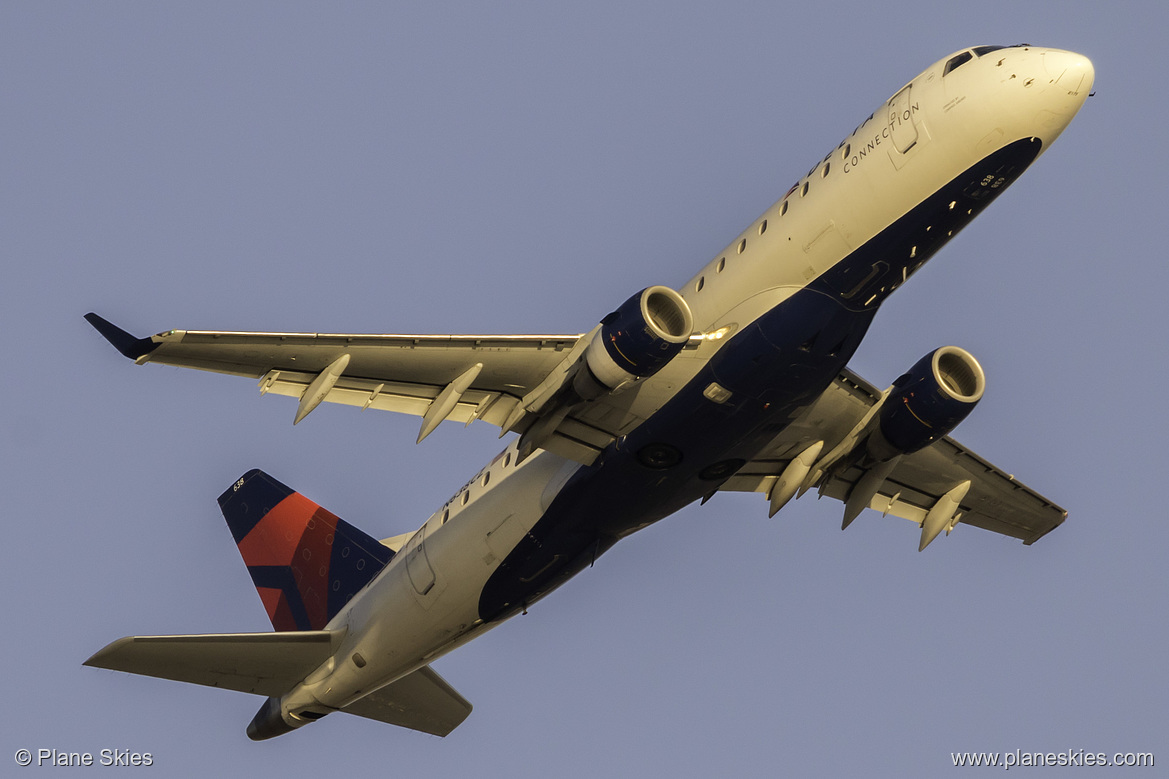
x=773 y=369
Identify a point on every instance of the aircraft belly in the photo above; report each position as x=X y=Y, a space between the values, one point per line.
x=519 y=530
x=771 y=370
x=756 y=383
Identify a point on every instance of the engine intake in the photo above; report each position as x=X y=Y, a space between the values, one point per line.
x=927 y=402
x=635 y=342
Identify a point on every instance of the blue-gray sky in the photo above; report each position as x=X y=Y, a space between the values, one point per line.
x=524 y=167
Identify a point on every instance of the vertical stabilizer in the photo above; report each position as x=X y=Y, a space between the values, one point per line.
x=306 y=563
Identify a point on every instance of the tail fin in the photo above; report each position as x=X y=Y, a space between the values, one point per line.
x=305 y=562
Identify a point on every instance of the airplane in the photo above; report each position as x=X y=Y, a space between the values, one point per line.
x=736 y=381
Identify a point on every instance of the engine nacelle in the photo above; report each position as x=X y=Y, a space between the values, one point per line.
x=928 y=402
x=634 y=342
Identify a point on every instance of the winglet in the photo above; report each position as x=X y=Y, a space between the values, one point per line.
x=124 y=342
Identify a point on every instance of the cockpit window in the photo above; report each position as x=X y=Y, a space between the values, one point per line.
x=957 y=61
x=982 y=51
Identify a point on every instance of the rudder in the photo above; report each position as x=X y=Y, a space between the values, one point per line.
x=306 y=562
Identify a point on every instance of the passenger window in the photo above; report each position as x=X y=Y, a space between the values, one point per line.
x=957 y=61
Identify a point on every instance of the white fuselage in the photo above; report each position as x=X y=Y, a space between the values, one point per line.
x=427 y=599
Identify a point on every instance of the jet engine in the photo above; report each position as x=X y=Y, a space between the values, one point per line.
x=634 y=342
x=928 y=402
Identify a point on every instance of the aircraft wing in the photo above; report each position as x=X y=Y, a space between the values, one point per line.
x=995 y=500
x=436 y=377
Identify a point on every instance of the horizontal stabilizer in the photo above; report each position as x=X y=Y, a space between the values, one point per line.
x=260 y=663
x=419 y=701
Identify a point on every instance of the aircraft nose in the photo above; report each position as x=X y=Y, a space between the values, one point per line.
x=1070 y=73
